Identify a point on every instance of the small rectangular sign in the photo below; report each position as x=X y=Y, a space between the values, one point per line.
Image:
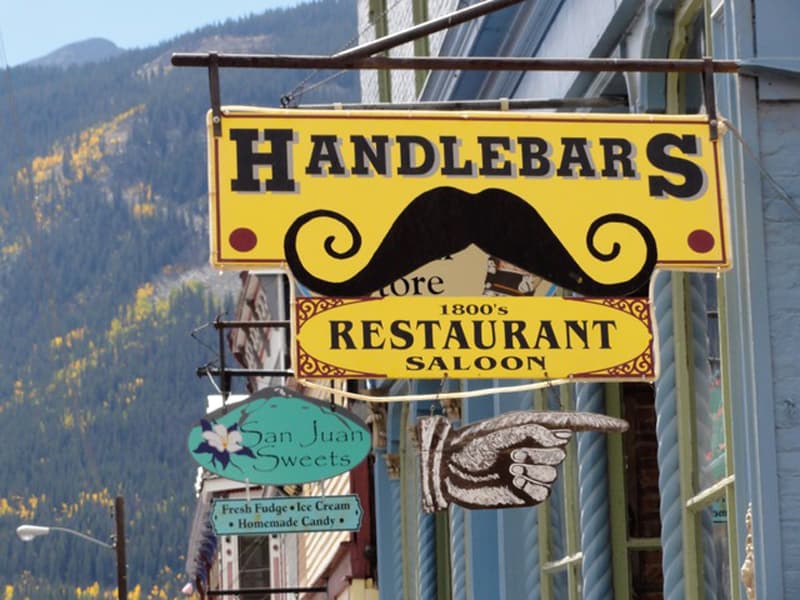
x=481 y=337
x=265 y=516
x=339 y=196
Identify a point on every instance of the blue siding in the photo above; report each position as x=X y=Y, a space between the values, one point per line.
x=780 y=144
x=594 y=495
x=754 y=379
x=387 y=511
x=481 y=525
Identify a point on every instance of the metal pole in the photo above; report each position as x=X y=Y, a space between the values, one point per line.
x=119 y=547
x=205 y=371
x=509 y=104
x=249 y=324
x=412 y=33
x=213 y=88
x=464 y=63
x=224 y=378
x=88 y=538
x=267 y=591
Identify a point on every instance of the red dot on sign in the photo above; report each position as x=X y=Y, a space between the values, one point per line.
x=243 y=239
x=701 y=240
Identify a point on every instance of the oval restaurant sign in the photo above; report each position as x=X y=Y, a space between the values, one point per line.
x=505 y=337
x=279 y=437
x=352 y=201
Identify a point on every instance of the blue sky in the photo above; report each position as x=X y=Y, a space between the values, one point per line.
x=32 y=28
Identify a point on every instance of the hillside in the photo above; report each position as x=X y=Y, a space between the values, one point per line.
x=103 y=276
x=79 y=53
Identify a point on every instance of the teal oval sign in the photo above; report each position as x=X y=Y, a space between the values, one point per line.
x=279 y=437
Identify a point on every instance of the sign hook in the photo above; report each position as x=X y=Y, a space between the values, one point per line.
x=213 y=88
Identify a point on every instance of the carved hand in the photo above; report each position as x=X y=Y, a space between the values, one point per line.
x=506 y=461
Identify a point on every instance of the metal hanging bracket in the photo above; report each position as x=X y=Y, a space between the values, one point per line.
x=706 y=67
x=364 y=57
x=224 y=373
x=710 y=98
x=213 y=88
x=466 y=63
x=268 y=591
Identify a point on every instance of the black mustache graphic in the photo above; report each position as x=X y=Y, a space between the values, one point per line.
x=445 y=220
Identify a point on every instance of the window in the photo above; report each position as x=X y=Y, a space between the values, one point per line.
x=254 y=565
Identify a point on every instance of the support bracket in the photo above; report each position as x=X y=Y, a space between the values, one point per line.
x=225 y=373
x=710 y=98
x=214 y=92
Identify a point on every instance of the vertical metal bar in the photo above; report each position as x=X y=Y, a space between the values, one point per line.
x=710 y=97
x=571 y=508
x=224 y=376
x=119 y=547
x=443 y=568
x=213 y=89
x=286 y=300
x=730 y=491
x=708 y=51
x=543 y=524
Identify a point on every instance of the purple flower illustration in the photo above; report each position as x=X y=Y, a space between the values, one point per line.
x=221 y=442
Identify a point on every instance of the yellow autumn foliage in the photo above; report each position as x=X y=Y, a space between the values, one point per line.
x=144 y=209
x=11 y=249
x=89 y=152
x=94 y=592
x=43 y=166
x=24 y=508
x=69 y=339
x=157 y=593
x=143 y=307
x=102 y=498
x=83 y=154
x=75 y=335
x=71 y=374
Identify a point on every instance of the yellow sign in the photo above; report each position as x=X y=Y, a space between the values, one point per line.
x=352 y=201
x=485 y=337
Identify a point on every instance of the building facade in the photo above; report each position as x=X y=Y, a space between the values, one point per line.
x=322 y=565
x=698 y=499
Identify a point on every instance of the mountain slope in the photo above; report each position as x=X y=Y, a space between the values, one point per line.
x=78 y=53
x=102 y=229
